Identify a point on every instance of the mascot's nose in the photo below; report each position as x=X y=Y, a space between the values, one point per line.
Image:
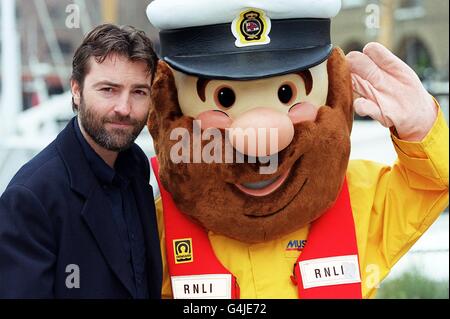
x=261 y=132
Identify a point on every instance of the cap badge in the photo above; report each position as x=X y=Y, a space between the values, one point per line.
x=251 y=27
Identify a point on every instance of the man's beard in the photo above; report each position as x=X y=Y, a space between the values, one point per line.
x=116 y=140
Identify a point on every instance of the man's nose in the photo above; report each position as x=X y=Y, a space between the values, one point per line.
x=123 y=105
x=261 y=132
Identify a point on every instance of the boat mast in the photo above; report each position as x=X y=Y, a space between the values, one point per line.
x=11 y=100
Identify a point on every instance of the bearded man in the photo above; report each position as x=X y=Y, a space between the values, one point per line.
x=76 y=221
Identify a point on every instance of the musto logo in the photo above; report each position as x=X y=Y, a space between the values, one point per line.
x=296 y=245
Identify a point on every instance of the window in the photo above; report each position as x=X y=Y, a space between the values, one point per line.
x=410 y=4
x=415 y=53
x=410 y=9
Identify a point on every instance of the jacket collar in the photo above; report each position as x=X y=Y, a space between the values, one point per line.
x=81 y=178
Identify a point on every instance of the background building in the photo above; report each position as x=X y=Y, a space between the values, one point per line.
x=417 y=31
x=51 y=30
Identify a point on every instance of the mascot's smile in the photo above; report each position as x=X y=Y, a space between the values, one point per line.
x=268 y=186
x=256 y=215
x=263 y=188
x=278 y=211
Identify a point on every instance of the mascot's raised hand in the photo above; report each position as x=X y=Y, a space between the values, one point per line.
x=391 y=93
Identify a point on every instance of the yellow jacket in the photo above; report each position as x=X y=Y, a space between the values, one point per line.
x=392 y=208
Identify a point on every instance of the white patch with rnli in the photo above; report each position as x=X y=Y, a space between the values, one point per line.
x=251 y=27
x=330 y=271
x=201 y=287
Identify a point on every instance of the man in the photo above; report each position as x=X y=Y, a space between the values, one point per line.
x=77 y=221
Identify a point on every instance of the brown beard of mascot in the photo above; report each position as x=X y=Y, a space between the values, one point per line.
x=317 y=159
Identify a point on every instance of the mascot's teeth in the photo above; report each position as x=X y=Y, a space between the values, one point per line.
x=260 y=185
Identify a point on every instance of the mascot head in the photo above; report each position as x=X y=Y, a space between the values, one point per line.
x=251 y=113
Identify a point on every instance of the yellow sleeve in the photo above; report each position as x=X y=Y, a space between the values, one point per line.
x=394 y=206
x=166 y=291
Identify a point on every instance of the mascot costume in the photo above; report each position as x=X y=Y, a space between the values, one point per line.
x=289 y=216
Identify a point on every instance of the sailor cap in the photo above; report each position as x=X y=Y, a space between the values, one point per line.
x=243 y=39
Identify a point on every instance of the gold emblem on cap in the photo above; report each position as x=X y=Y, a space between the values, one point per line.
x=251 y=27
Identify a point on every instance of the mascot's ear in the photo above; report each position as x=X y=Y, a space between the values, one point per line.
x=164 y=98
x=164 y=92
x=340 y=90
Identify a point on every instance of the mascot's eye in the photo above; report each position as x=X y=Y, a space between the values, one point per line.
x=225 y=97
x=286 y=93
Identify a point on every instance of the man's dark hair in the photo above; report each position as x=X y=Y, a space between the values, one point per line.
x=106 y=40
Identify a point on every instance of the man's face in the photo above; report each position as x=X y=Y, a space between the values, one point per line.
x=114 y=101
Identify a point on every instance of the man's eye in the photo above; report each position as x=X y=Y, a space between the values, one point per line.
x=107 y=90
x=141 y=92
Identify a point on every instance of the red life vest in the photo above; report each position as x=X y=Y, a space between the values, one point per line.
x=331 y=248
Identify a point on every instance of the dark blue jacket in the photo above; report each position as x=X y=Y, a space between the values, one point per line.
x=56 y=226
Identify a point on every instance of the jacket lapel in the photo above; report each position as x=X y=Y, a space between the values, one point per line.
x=98 y=216
x=96 y=210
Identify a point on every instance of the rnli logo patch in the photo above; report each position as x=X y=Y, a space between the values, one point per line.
x=251 y=27
x=183 y=251
x=331 y=271
x=213 y=286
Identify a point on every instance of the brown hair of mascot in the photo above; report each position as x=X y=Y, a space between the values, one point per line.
x=318 y=154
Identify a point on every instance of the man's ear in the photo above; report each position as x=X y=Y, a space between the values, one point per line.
x=76 y=92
